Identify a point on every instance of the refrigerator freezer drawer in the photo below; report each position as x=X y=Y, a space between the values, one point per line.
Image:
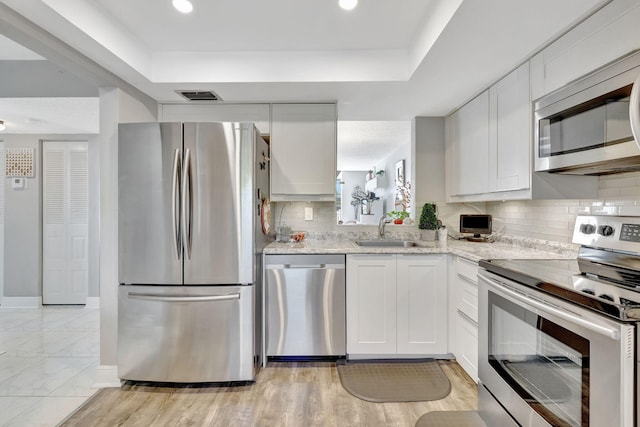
x=305 y=305
x=186 y=334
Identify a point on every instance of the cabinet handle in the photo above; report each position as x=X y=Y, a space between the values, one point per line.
x=174 y=298
x=467 y=317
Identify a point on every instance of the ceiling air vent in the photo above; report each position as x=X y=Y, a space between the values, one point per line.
x=193 y=95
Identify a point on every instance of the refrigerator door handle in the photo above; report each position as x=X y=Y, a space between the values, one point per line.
x=187 y=203
x=175 y=202
x=193 y=298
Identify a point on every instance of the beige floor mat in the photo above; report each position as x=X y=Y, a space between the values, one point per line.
x=451 y=419
x=395 y=381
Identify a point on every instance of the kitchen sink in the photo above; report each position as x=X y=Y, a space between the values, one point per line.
x=380 y=243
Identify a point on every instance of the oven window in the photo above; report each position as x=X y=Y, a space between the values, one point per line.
x=546 y=364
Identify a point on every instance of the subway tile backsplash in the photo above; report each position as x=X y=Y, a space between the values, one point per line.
x=550 y=220
x=553 y=220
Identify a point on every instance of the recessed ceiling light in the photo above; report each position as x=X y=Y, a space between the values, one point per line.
x=184 y=6
x=348 y=4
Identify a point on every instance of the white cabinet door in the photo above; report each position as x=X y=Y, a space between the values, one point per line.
x=371 y=304
x=65 y=205
x=510 y=132
x=472 y=153
x=422 y=304
x=451 y=155
x=605 y=36
x=303 y=152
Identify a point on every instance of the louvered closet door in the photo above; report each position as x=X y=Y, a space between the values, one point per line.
x=65 y=222
x=2 y=184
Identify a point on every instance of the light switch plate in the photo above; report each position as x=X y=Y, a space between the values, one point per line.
x=18 y=183
x=308 y=214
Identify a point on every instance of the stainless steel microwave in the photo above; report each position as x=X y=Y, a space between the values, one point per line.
x=592 y=126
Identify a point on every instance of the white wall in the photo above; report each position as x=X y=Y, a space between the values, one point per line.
x=427 y=139
x=23 y=228
x=1 y=221
x=116 y=106
x=402 y=152
x=23 y=222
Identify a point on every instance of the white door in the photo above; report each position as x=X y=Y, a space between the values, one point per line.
x=65 y=206
x=2 y=183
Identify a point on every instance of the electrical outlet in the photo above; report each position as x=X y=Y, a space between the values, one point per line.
x=308 y=214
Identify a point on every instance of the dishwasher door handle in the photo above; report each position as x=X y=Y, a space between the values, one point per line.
x=302 y=266
x=305 y=266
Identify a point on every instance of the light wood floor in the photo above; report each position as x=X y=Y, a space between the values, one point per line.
x=284 y=394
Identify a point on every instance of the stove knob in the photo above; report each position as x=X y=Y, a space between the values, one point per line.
x=588 y=291
x=605 y=230
x=607 y=297
x=587 y=228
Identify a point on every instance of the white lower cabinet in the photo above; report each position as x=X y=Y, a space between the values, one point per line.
x=396 y=305
x=467 y=351
x=464 y=319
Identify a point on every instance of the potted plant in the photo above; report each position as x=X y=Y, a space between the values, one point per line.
x=428 y=223
x=398 y=216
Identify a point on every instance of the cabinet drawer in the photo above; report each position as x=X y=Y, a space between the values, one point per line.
x=467 y=269
x=467 y=355
x=468 y=298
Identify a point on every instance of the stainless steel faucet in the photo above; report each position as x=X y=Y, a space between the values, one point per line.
x=383 y=221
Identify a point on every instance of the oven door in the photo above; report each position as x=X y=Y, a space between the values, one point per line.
x=549 y=362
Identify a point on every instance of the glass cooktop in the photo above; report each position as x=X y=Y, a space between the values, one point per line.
x=562 y=278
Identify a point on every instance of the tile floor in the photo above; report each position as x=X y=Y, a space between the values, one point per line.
x=48 y=358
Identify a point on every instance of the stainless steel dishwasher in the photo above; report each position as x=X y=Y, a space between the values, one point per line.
x=305 y=305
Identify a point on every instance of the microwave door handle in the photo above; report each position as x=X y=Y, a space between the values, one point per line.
x=602 y=330
x=634 y=110
x=175 y=202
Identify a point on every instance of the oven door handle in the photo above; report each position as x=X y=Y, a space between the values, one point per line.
x=614 y=334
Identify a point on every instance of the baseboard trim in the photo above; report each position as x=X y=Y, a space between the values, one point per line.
x=21 y=302
x=107 y=377
x=93 y=302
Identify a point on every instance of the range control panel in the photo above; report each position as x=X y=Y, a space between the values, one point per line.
x=618 y=233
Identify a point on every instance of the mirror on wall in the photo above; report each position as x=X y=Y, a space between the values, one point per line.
x=374 y=165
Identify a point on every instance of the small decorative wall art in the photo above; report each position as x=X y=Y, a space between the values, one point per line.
x=19 y=162
x=400 y=172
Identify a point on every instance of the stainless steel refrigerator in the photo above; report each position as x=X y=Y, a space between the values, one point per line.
x=193 y=220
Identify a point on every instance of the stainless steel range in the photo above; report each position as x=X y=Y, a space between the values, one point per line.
x=559 y=338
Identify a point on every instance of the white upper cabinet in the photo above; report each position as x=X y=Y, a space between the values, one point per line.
x=510 y=132
x=303 y=152
x=489 y=149
x=607 y=35
x=221 y=112
x=472 y=130
x=467 y=149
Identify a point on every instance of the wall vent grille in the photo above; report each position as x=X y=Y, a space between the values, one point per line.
x=193 y=95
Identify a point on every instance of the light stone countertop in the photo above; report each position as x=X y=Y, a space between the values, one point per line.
x=473 y=251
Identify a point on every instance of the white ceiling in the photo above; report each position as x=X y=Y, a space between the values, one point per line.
x=385 y=61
